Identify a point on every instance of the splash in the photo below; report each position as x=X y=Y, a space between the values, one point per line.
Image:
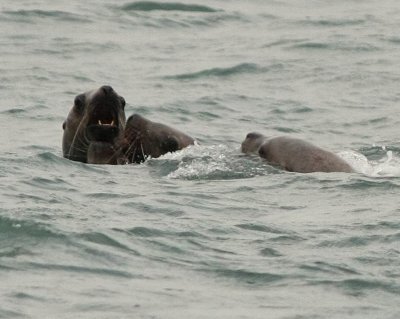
x=200 y=162
x=214 y=162
x=388 y=166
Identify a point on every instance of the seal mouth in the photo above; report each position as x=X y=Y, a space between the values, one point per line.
x=105 y=123
x=103 y=117
x=103 y=126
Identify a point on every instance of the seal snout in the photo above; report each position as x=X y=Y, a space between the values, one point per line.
x=105 y=106
x=104 y=120
x=107 y=89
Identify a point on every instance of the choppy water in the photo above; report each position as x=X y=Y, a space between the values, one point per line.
x=206 y=232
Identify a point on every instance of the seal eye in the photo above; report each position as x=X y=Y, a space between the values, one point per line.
x=123 y=103
x=79 y=103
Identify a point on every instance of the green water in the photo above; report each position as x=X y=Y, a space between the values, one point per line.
x=206 y=232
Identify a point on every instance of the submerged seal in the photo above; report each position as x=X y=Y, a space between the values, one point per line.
x=294 y=155
x=144 y=138
x=94 y=127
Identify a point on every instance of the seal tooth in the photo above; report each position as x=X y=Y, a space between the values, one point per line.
x=100 y=122
x=112 y=123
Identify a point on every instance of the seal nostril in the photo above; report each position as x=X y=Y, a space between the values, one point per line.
x=107 y=89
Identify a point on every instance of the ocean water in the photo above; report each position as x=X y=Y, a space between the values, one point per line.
x=206 y=232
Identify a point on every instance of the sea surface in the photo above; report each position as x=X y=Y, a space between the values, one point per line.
x=206 y=232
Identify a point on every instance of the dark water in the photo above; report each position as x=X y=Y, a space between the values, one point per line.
x=206 y=232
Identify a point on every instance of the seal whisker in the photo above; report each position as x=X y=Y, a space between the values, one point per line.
x=72 y=146
x=81 y=149
x=141 y=146
x=111 y=157
x=133 y=155
x=133 y=145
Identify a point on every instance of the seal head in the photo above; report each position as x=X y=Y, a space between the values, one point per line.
x=144 y=138
x=94 y=127
x=252 y=142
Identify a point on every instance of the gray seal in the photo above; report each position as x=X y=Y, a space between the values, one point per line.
x=94 y=127
x=144 y=138
x=294 y=155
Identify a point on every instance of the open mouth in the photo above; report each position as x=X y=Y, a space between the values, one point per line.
x=100 y=122
x=103 y=116
x=102 y=127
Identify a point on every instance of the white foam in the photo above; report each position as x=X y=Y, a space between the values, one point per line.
x=205 y=160
x=201 y=161
x=389 y=166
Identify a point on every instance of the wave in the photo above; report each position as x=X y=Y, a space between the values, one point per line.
x=386 y=165
x=358 y=286
x=17 y=231
x=177 y=15
x=392 y=39
x=141 y=231
x=11 y=314
x=105 y=240
x=353 y=47
x=249 y=277
x=53 y=14
x=260 y=228
x=333 y=22
x=81 y=269
x=270 y=252
x=218 y=162
x=166 y=6
x=242 y=68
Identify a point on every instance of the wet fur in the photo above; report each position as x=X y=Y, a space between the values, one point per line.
x=75 y=140
x=144 y=138
x=294 y=155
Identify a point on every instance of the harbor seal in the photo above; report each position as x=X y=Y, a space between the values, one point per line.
x=94 y=127
x=293 y=154
x=144 y=138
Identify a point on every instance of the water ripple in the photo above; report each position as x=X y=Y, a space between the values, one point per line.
x=51 y=14
x=249 y=277
x=103 y=239
x=4 y=313
x=359 y=286
x=334 y=22
x=11 y=228
x=329 y=268
x=270 y=252
x=165 y=6
x=153 y=232
x=81 y=269
x=243 y=68
x=260 y=228
x=337 y=46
